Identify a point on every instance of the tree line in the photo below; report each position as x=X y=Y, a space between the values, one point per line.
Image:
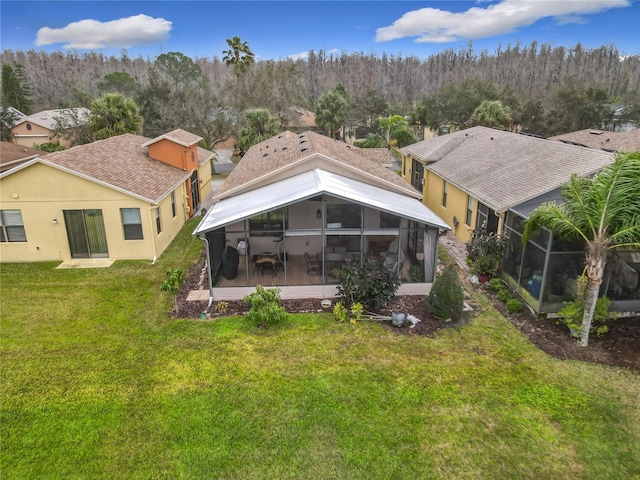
x=545 y=89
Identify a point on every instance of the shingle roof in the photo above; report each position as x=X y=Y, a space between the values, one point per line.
x=47 y=118
x=12 y=152
x=628 y=141
x=503 y=169
x=179 y=136
x=123 y=163
x=204 y=155
x=287 y=148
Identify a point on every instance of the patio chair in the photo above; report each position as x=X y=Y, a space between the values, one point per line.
x=314 y=264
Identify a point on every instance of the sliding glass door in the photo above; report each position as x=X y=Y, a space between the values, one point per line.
x=86 y=233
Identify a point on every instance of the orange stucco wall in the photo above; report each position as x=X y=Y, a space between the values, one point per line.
x=184 y=158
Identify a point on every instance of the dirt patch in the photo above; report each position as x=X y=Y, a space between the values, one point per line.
x=620 y=347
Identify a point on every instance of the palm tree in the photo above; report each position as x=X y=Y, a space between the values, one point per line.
x=331 y=111
x=239 y=54
x=112 y=114
x=491 y=113
x=396 y=131
x=603 y=211
x=259 y=126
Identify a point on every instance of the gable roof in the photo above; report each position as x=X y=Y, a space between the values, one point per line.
x=121 y=163
x=628 y=141
x=310 y=184
x=179 y=136
x=276 y=157
x=502 y=169
x=12 y=154
x=47 y=118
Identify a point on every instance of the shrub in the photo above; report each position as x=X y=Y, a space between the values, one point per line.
x=446 y=297
x=513 y=305
x=504 y=295
x=496 y=284
x=371 y=284
x=266 y=306
x=340 y=312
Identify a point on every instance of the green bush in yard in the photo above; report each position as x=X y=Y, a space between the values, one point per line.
x=504 y=295
x=446 y=297
x=266 y=306
x=513 y=305
x=370 y=284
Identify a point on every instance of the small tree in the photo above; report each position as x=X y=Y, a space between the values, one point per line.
x=266 y=306
x=446 y=296
x=175 y=277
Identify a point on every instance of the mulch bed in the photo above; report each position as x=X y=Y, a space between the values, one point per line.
x=620 y=347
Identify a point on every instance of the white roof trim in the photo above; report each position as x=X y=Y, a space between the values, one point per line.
x=91 y=179
x=310 y=184
x=171 y=139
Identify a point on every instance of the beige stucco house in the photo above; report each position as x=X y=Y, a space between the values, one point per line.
x=39 y=128
x=125 y=197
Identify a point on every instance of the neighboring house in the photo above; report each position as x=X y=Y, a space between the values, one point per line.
x=40 y=127
x=12 y=155
x=300 y=119
x=299 y=205
x=626 y=141
x=481 y=176
x=124 y=197
x=473 y=176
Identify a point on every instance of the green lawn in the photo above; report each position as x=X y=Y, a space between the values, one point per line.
x=98 y=382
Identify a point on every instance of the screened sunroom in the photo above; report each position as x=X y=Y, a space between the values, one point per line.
x=545 y=270
x=298 y=232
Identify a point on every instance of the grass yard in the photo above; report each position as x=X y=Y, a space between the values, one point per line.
x=98 y=382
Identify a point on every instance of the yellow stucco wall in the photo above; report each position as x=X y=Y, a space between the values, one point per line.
x=456 y=204
x=432 y=198
x=42 y=193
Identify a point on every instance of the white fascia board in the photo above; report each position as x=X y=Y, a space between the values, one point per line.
x=308 y=185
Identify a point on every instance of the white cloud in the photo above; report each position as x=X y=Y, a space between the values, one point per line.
x=120 y=33
x=305 y=55
x=439 y=26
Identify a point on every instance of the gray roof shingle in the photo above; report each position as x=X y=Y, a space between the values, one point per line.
x=503 y=169
x=628 y=141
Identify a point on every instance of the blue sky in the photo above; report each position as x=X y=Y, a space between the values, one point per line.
x=282 y=29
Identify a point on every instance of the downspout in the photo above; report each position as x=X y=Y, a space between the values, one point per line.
x=210 y=284
x=153 y=235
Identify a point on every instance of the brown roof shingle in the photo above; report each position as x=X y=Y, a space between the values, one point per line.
x=287 y=148
x=12 y=153
x=121 y=162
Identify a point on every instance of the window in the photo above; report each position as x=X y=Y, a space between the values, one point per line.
x=132 y=223
x=28 y=126
x=467 y=219
x=445 y=187
x=388 y=220
x=173 y=204
x=157 y=215
x=213 y=167
x=11 y=226
x=346 y=215
x=268 y=223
